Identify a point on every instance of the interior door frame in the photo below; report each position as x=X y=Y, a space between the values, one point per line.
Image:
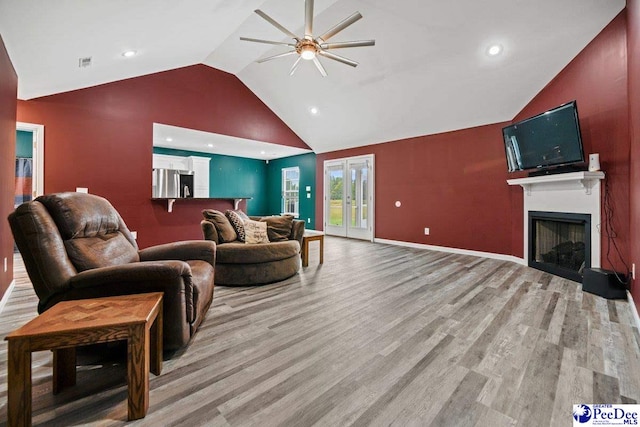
x=370 y=159
x=37 y=181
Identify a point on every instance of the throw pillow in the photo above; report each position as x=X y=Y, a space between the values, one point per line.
x=255 y=232
x=242 y=215
x=237 y=222
x=278 y=227
x=226 y=232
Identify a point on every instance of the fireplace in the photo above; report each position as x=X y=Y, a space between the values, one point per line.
x=575 y=193
x=560 y=243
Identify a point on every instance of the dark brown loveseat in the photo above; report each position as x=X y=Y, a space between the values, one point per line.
x=77 y=246
x=240 y=264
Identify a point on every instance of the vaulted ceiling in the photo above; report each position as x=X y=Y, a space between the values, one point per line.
x=429 y=71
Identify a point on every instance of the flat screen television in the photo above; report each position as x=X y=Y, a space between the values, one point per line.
x=546 y=142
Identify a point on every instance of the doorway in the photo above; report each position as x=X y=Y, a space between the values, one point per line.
x=29 y=161
x=349 y=197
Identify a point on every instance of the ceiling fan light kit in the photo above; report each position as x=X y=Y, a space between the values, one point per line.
x=308 y=47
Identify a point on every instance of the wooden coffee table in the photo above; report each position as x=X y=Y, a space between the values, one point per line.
x=309 y=236
x=69 y=324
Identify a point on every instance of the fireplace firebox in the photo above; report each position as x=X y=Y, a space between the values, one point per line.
x=560 y=243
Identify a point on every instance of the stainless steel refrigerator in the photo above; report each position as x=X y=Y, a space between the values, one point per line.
x=172 y=183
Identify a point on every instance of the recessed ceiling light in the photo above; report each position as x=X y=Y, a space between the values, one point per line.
x=313 y=110
x=263 y=152
x=129 y=53
x=210 y=145
x=168 y=139
x=494 y=50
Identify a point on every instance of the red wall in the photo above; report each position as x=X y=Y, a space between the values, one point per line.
x=8 y=95
x=454 y=183
x=101 y=138
x=597 y=79
x=633 y=63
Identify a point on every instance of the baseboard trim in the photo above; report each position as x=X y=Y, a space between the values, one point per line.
x=634 y=309
x=491 y=255
x=6 y=295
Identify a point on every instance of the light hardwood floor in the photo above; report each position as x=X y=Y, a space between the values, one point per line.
x=377 y=335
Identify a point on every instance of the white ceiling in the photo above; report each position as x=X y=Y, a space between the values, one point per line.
x=178 y=138
x=428 y=72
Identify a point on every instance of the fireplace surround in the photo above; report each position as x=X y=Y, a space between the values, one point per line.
x=575 y=193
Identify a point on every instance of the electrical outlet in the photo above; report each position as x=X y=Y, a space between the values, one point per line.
x=633 y=271
x=134 y=234
x=308 y=220
x=82 y=190
x=5 y=264
x=426 y=231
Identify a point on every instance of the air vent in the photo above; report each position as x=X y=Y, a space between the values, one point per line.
x=84 y=62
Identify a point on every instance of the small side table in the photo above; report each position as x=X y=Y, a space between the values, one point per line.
x=309 y=236
x=136 y=318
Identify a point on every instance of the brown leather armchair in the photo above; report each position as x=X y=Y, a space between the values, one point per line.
x=77 y=246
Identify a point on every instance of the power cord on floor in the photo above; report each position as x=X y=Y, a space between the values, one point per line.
x=612 y=235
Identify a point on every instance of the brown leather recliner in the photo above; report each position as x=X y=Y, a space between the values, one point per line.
x=77 y=246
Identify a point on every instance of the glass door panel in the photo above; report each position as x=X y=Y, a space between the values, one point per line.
x=357 y=199
x=335 y=200
x=336 y=182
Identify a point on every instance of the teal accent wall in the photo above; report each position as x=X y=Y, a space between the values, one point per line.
x=307 y=165
x=24 y=144
x=232 y=177
x=239 y=176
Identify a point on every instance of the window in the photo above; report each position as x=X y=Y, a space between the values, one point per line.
x=290 y=190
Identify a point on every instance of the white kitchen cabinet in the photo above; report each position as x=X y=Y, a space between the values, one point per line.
x=200 y=168
x=165 y=161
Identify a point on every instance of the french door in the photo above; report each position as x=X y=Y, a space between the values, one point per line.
x=348 y=197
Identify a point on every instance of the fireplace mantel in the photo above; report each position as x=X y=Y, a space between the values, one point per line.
x=573 y=192
x=585 y=180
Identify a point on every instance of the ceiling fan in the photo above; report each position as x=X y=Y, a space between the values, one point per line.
x=308 y=47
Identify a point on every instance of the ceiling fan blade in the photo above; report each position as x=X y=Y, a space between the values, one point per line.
x=280 y=55
x=341 y=26
x=337 y=58
x=275 y=24
x=308 y=18
x=319 y=66
x=295 y=66
x=248 y=39
x=340 y=45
